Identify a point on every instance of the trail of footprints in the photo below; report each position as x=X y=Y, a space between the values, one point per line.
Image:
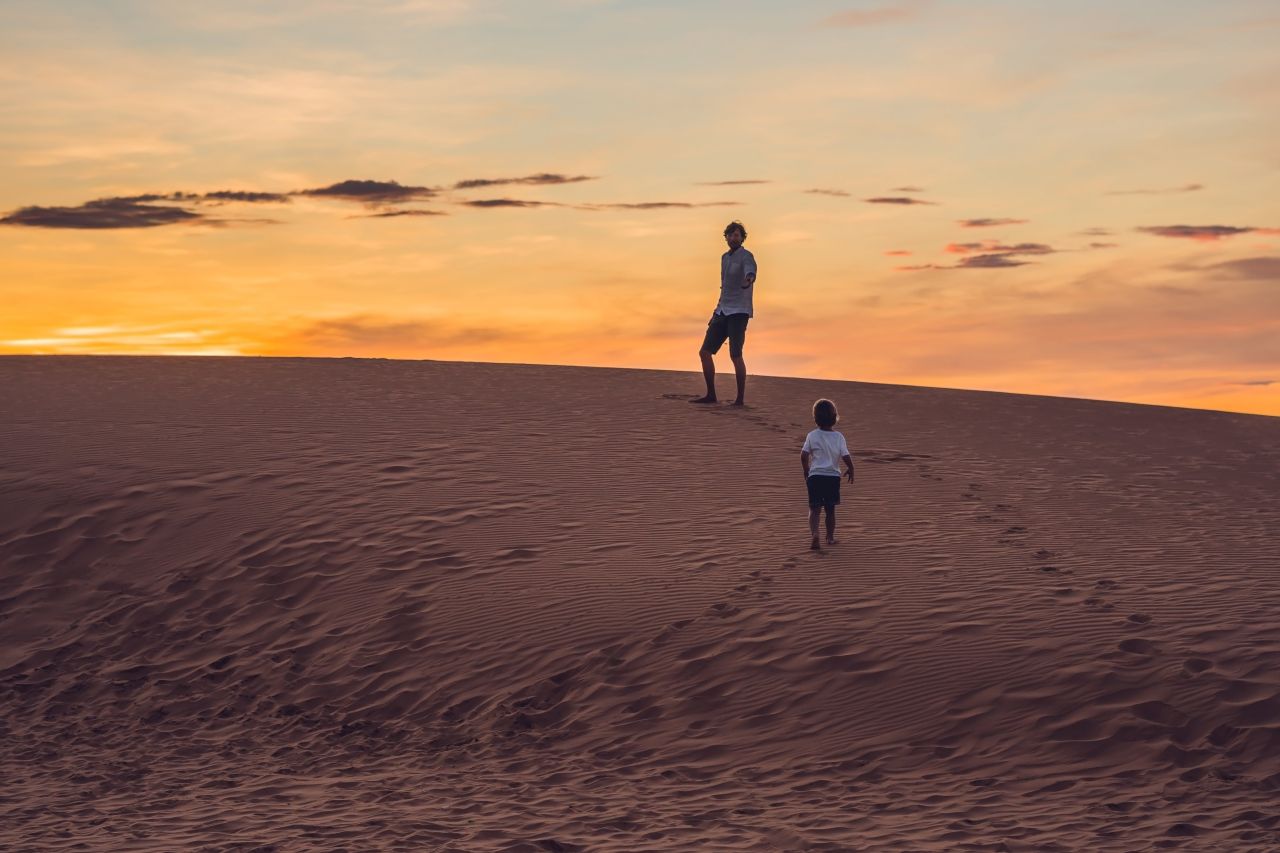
x=1044 y=564
x=1044 y=561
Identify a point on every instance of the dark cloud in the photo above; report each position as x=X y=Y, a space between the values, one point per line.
x=908 y=189
x=1205 y=233
x=999 y=248
x=400 y=213
x=371 y=192
x=641 y=205
x=874 y=16
x=242 y=195
x=730 y=183
x=1096 y=232
x=989 y=223
x=103 y=213
x=896 y=200
x=839 y=193
x=996 y=261
x=1258 y=383
x=991 y=261
x=990 y=255
x=529 y=180
x=657 y=205
x=1186 y=188
x=1103 y=245
x=509 y=202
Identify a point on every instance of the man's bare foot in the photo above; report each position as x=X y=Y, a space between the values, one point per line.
x=739 y=403
x=831 y=540
x=710 y=398
x=814 y=546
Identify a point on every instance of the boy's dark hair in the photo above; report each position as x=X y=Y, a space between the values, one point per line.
x=825 y=414
x=735 y=225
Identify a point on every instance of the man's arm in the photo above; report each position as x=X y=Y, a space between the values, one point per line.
x=804 y=462
x=848 y=460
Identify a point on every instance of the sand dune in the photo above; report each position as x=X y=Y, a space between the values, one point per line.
x=294 y=604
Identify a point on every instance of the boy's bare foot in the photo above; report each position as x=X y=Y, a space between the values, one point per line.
x=832 y=540
x=739 y=402
x=814 y=546
x=710 y=398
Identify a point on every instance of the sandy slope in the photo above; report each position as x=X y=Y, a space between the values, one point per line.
x=255 y=604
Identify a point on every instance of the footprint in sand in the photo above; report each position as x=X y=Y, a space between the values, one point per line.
x=1135 y=646
x=1195 y=666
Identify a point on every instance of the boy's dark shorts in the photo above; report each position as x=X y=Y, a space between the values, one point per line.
x=721 y=326
x=824 y=491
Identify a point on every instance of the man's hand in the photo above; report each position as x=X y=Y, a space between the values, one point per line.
x=750 y=280
x=849 y=474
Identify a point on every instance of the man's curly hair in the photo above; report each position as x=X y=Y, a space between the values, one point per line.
x=735 y=225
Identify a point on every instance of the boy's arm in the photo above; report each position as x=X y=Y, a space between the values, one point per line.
x=848 y=460
x=804 y=462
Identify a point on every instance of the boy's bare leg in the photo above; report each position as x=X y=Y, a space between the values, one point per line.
x=740 y=370
x=709 y=374
x=813 y=528
x=831 y=526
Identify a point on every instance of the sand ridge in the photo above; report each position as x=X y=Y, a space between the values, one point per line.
x=305 y=604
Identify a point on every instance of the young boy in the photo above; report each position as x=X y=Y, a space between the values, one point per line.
x=820 y=457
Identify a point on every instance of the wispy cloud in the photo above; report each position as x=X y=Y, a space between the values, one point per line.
x=907 y=189
x=730 y=183
x=241 y=195
x=1203 y=233
x=657 y=205
x=544 y=179
x=989 y=222
x=836 y=193
x=988 y=254
x=509 y=202
x=992 y=261
x=996 y=261
x=361 y=333
x=388 y=213
x=897 y=200
x=371 y=192
x=102 y=213
x=897 y=253
x=875 y=15
x=1185 y=188
x=1260 y=269
x=1002 y=248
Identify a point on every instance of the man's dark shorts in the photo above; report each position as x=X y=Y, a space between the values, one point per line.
x=824 y=491
x=733 y=327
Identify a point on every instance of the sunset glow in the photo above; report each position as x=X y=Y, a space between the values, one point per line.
x=1034 y=197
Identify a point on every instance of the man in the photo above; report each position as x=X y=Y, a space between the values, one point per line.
x=737 y=277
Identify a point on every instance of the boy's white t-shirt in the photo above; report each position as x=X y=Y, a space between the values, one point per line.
x=826 y=448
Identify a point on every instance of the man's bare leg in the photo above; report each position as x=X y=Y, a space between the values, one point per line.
x=813 y=528
x=709 y=374
x=831 y=526
x=740 y=370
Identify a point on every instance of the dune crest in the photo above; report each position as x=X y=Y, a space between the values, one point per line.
x=303 y=604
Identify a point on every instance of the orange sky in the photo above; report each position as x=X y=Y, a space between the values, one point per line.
x=999 y=195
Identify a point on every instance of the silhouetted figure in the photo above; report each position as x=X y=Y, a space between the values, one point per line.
x=737 y=280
